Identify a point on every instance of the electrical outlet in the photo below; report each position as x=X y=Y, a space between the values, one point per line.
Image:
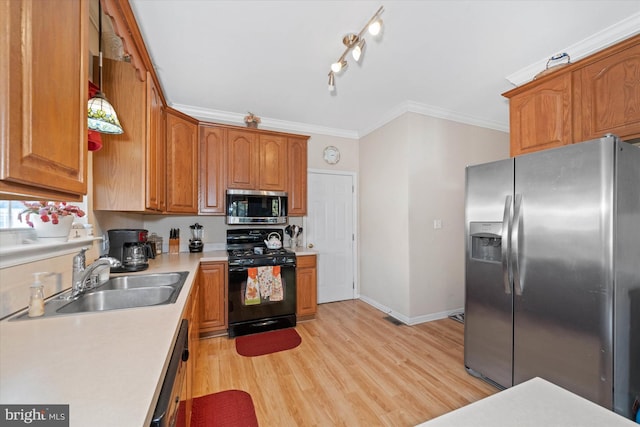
x=437 y=224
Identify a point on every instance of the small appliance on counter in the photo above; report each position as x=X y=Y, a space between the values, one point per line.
x=195 y=242
x=131 y=248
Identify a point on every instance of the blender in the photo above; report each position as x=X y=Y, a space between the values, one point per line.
x=195 y=243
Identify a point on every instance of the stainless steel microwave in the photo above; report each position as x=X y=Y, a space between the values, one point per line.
x=256 y=207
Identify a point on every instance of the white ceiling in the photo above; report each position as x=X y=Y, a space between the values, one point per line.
x=216 y=59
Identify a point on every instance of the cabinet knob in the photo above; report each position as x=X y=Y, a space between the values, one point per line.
x=310 y=245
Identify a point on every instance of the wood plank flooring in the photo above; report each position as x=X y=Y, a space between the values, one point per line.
x=353 y=368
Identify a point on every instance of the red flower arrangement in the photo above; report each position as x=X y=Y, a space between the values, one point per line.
x=49 y=211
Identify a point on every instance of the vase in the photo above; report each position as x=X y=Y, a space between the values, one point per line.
x=252 y=124
x=50 y=232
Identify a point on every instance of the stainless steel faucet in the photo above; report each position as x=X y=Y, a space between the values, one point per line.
x=82 y=273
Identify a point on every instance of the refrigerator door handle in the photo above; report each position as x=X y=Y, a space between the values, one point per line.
x=516 y=233
x=507 y=273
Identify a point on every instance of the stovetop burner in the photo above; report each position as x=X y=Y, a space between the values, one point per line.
x=246 y=247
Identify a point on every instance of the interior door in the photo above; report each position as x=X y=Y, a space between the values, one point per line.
x=330 y=230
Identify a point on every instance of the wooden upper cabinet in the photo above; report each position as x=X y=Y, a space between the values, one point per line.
x=272 y=172
x=540 y=118
x=608 y=92
x=242 y=159
x=585 y=100
x=182 y=163
x=156 y=150
x=212 y=169
x=128 y=172
x=297 y=188
x=43 y=106
x=236 y=158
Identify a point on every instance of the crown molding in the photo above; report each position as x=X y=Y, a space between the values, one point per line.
x=433 y=111
x=219 y=116
x=617 y=32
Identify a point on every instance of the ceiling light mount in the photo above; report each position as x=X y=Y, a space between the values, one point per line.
x=350 y=40
x=355 y=43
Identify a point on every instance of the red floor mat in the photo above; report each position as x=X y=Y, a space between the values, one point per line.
x=267 y=342
x=230 y=408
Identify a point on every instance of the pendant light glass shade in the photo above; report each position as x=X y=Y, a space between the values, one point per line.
x=102 y=116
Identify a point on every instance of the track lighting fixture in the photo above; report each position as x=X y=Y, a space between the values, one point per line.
x=355 y=43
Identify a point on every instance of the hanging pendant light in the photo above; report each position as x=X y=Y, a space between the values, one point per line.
x=102 y=116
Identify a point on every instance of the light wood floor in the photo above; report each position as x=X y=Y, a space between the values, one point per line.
x=353 y=368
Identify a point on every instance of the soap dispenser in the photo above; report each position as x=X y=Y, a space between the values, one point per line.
x=36 y=299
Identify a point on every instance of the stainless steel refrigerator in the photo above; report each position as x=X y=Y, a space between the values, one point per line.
x=553 y=270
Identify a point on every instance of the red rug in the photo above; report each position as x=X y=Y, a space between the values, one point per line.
x=267 y=342
x=230 y=408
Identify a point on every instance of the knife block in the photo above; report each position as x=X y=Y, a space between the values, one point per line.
x=174 y=246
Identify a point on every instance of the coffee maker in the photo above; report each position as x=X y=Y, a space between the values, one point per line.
x=131 y=248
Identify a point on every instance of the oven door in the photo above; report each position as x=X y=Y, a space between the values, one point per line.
x=247 y=315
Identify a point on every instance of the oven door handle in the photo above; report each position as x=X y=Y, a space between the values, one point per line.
x=245 y=268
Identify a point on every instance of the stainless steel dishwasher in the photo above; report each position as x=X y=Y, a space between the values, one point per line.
x=170 y=398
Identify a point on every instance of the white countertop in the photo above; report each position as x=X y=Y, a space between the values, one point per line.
x=107 y=366
x=534 y=403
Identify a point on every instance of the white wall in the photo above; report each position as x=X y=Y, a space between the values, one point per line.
x=440 y=151
x=383 y=216
x=412 y=173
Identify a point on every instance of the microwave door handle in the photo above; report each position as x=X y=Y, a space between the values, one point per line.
x=507 y=273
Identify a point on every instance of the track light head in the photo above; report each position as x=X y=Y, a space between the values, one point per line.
x=336 y=67
x=375 y=27
x=332 y=82
x=357 y=50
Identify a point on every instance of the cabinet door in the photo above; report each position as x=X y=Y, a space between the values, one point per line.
x=306 y=286
x=272 y=163
x=182 y=164
x=297 y=168
x=156 y=149
x=43 y=106
x=192 y=315
x=212 y=170
x=120 y=167
x=608 y=93
x=540 y=118
x=213 y=297
x=242 y=160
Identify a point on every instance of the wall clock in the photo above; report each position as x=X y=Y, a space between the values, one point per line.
x=331 y=155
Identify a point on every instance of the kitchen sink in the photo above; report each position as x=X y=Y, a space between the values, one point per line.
x=144 y=281
x=119 y=292
x=116 y=299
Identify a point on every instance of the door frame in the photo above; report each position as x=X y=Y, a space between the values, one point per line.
x=356 y=235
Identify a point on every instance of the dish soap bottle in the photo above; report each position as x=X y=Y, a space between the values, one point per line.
x=36 y=299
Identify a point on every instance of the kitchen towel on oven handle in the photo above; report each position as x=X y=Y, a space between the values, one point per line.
x=251 y=293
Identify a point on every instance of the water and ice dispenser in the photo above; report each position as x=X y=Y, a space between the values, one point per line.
x=486 y=241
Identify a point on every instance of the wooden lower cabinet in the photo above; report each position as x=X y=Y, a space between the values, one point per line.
x=191 y=313
x=213 y=298
x=306 y=287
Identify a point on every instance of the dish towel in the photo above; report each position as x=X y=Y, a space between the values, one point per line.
x=270 y=283
x=251 y=294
